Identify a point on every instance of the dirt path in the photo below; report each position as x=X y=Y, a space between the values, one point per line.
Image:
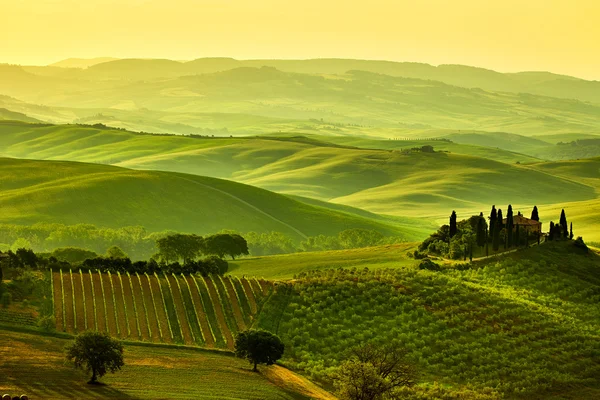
x=149 y=302
x=219 y=312
x=181 y=314
x=202 y=318
x=69 y=309
x=122 y=317
x=80 y=300
x=89 y=300
x=139 y=305
x=163 y=318
x=58 y=301
x=129 y=304
x=249 y=295
x=235 y=304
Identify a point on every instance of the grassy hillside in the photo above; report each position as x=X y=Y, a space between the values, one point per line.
x=72 y=193
x=351 y=97
x=373 y=175
x=524 y=326
x=34 y=365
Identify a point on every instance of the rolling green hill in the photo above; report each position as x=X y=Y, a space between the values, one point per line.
x=73 y=193
x=372 y=175
x=522 y=326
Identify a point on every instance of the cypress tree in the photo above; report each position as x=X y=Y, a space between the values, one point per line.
x=534 y=214
x=493 y=218
x=481 y=234
x=564 y=225
x=453 y=228
x=487 y=243
x=571 y=232
x=496 y=237
x=509 y=226
x=551 y=232
x=500 y=226
x=517 y=242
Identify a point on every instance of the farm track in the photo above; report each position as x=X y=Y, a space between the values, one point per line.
x=69 y=310
x=191 y=311
x=219 y=312
x=151 y=312
x=131 y=321
x=80 y=303
x=243 y=299
x=204 y=324
x=89 y=301
x=138 y=298
x=235 y=304
x=121 y=314
x=250 y=295
x=111 y=318
x=264 y=285
x=180 y=310
x=100 y=310
x=58 y=299
x=163 y=318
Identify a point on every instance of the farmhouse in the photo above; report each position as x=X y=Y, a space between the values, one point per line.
x=529 y=225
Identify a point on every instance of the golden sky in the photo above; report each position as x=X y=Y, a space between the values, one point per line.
x=561 y=36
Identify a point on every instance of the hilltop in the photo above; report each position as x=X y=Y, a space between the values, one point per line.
x=73 y=193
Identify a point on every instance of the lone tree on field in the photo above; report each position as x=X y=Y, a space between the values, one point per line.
x=453 y=227
x=259 y=347
x=97 y=353
x=373 y=372
x=534 y=214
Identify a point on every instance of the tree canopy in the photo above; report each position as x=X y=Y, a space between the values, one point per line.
x=97 y=353
x=259 y=347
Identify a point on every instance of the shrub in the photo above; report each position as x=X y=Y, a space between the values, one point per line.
x=6 y=299
x=580 y=244
x=47 y=323
x=429 y=265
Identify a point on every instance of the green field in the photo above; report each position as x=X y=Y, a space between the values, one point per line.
x=523 y=326
x=150 y=373
x=73 y=193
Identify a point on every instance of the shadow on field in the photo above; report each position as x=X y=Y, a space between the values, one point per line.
x=45 y=382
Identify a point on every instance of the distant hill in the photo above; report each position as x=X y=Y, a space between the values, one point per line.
x=106 y=196
x=8 y=115
x=373 y=175
x=81 y=62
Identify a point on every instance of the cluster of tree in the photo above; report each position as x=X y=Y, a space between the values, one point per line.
x=189 y=247
x=562 y=230
x=458 y=239
x=209 y=265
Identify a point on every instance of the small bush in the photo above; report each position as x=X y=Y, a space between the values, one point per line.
x=429 y=265
x=6 y=299
x=47 y=323
x=580 y=244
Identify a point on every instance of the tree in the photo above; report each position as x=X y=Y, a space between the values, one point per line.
x=563 y=224
x=115 y=252
x=453 y=228
x=223 y=244
x=534 y=214
x=481 y=234
x=97 y=353
x=374 y=372
x=551 y=231
x=517 y=238
x=27 y=257
x=493 y=218
x=259 y=347
x=179 y=246
x=509 y=227
x=571 y=232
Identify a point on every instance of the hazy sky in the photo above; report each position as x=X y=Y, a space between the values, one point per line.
x=561 y=36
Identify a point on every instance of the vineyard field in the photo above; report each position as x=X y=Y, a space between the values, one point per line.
x=155 y=308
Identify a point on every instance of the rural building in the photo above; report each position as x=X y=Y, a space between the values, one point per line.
x=529 y=225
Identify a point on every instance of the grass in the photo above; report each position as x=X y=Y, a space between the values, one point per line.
x=67 y=192
x=149 y=373
x=288 y=265
x=524 y=326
